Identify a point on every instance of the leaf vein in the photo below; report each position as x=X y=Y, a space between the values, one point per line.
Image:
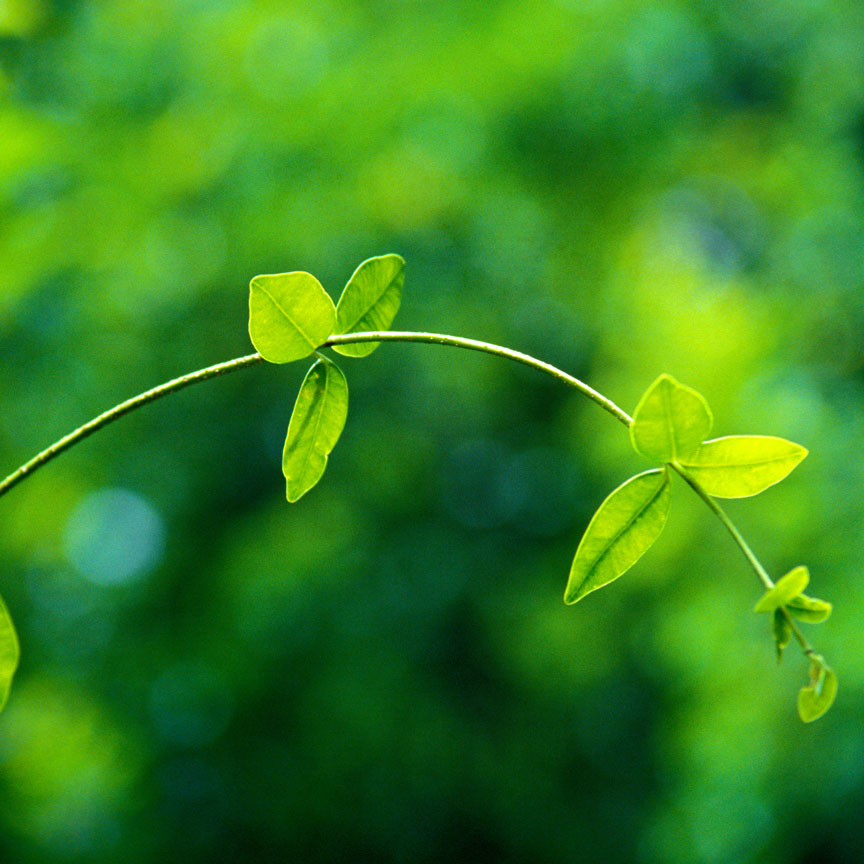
x=370 y=307
x=740 y=463
x=667 y=413
x=296 y=326
x=307 y=451
x=630 y=523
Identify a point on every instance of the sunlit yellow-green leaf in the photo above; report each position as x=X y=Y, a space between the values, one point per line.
x=818 y=696
x=742 y=465
x=670 y=421
x=316 y=424
x=624 y=527
x=9 y=653
x=290 y=315
x=782 y=632
x=370 y=301
x=787 y=587
x=809 y=609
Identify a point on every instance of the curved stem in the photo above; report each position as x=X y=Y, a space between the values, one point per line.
x=142 y=399
x=487 y=348
x=120 y=410
x=754 y=562
x=729 y=525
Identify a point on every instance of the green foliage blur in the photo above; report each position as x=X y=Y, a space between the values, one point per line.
x=385 y=671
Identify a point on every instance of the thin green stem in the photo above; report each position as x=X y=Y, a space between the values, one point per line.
x=142 y=399
x=122 y=409
x=729 y=525
x=487 y=348
x=754 y=562
x=392 y=336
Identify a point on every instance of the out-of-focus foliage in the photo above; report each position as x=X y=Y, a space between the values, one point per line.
x=385 y=671
x=10 y=653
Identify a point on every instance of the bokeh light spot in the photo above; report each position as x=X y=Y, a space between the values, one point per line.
x=114 y=536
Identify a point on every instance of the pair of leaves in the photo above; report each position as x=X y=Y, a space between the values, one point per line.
x=786 y=598
x=290 y=316
x=789 y=592
x=671 y=423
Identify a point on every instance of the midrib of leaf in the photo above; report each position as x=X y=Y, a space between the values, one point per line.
x=630 y=523
x=317 y=420
x=296 y=326
x=667 y=411
x=701 y=465
x=369 y=308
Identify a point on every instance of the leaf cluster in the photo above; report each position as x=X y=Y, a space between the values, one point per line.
x=290 y=317
x=670 y=426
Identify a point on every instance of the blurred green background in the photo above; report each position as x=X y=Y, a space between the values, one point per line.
x=385 y=671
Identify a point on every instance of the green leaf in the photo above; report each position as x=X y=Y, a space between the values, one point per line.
x=316 y=424
x=9 y=653
x=370 y=301
x=742 y=465
x=809 y=609
x=787 y=587
x=670 y=421
x=818 y=696
x=290 y=315
x=624 y=527
x=782 y=632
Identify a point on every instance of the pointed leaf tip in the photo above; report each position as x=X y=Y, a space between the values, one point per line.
x=739 y=466
x=670 y=421
x=782 y=632
x=624 y=527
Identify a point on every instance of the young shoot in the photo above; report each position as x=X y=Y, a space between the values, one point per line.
x=292 y=317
